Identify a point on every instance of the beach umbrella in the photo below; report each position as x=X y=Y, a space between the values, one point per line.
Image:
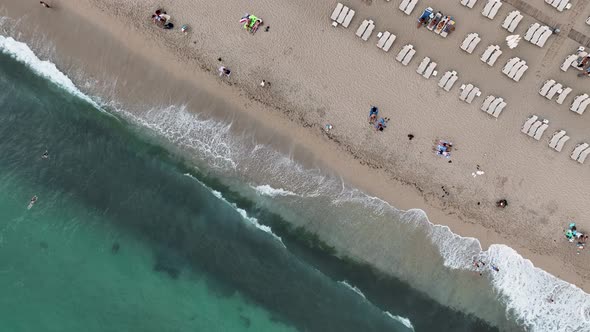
x=513 y=40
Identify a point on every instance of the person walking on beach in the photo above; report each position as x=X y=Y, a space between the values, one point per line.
x=44 y=4
x=224 y=71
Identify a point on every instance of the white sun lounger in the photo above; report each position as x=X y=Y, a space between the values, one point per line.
x=444 y=79
x=451 y=82
x=488 y=8
x=515 y=68
x=369 y=31
x=468 y=3
x=563 y=94
x=578 y=150
x=531 y=31
x=528 y=123
x=348 y=18
x=409 y=57
x=510 y=64
x=494 y=9
x=423 y=65
x=583 y=156
x=520 y=72
x=468 y=40
x=402 y=53
x=336 y=11
x=546 y=86
x=496 y=112
x=539 y=132
x=555 y=138
x=561 y=143
x=384 y=36
x=473 y=44
x=408 y=6
x=430 y=70
x=554 y=89
x=515 y=23
x=342 y=15
x=569 y=61
x=583 y=106
x=472 y=94
x=563 y=4
x=538 y=33
x=389 y=42
x=544 y=37
x=465 y=89
x=508 y=20
x=494 y=104
x=487 y=53
x=534 y=128
x=362 y=28
x=577 y=101
x=487 y=102
x=495 y=55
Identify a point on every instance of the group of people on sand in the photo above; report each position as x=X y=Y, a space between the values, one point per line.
x=573 y=235
x=379 y=123
x=584 y=64
x=162 y=19
x=480 y=265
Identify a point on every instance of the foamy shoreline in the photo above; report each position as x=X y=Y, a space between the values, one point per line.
x=390 y=190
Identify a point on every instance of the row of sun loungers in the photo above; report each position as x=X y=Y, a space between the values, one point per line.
x=386 y=39
x=342 y=15
x=537 y=34
x=493 y=105
x=560 y=5
x=558 y=140
x=515 y=68
x=491 y=8
x=469 y=92
x=512 y=20
x=406 y=54
x=580 y=103
x=407 y=6
x=535 y=127
x=572 y=59
x=468 y=3
x=580 y=153
x=550 y=88
x=448 y=80
x=491 y=54
x=365 y=29
x=426 y=68
x=470 y=42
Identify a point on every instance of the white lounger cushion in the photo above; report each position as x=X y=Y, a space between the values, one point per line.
x=583 y=106
x=400 y=56
x=509 y=65
x=472 y=94
x=468 y=3
x=555 y=138
x=569 y=61
x=389 y=42
x=403 y=5
x=515 y=68
x=531 y=31
x=537 y=34
x=408 y=57
x=578 y=150
x=369 y=31
x=495 y=56
x=429 y=70
x=451 y=82
x=423 y=65
x=336 y=11
x=473 y=44
x=528 y=123
x=515 y=23
x=383 y=39
x=540 y=131
x=494 y=104
x=465 y=89
x=348 y=18
x=534 y=128
x=410 y=7
x=488 y=7
x=561 y=143
x=487 y=53
x=342 y=15
x=520 y=72
x=544 y=37
x=487 y=102
x=577 y=101
x=496 y=112
x=511 y=16
x=494 y=10
x=546 y=86
x=554 y=89
x=563 y=95
x=583 y=156
x=362 y=28
x=444 y=79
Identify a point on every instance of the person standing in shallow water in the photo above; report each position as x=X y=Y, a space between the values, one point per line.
x=44 y=4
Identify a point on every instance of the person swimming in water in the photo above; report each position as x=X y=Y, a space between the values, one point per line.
x=33 y=200
x=45 y=155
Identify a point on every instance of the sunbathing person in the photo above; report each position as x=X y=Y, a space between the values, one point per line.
x=373 y=114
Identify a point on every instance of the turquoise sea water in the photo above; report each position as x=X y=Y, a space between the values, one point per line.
x=121 y=239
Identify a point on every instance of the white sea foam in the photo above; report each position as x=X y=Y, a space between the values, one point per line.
x=23 y=54
x=522 y=288
x=242 y=212
x=407 y=323
x=352 y=288
x=266 y=190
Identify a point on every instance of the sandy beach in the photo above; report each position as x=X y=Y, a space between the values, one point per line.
x=320 y=75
